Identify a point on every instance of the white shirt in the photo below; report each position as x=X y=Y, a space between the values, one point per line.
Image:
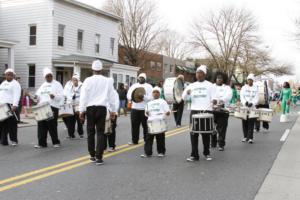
x=54 y=88
x=201 y=96
x=116 y=103
x=96 y=90
x=223 y=93
x=10 y=92
x=148 y=96
x=249 y=94
x=70 y=90
x=157 y=109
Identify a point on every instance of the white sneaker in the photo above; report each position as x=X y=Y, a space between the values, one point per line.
x=208 y=157
x=250 y=141
x=110 y=149
x=37 y=146
x=145 y=156
x=244 y=140
x=160 y=155
x=14 y=144
x=56 y=146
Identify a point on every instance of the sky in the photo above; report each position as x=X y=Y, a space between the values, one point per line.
x=275 y=18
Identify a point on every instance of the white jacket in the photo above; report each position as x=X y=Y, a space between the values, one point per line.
x=223 y=93
x=157 y=109
x=54 y=88
x=249 y=94
x=10 y=92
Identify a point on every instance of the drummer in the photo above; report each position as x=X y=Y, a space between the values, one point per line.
x=178 y=107
x=249 y=98
x=10 y=92
x=138 y=109
x=221 y=100
x=157 y=109
x=200 y=94
x=72 y=94
x=51 y=91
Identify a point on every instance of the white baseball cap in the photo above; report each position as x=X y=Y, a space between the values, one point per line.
x=47 y=71
x=156 y=88
x=97 y=65
x=9 y=70
x=202 y=68
x=251 y=76
x=143 y=75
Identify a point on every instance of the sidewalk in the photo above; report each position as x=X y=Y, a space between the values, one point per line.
x=283 y=180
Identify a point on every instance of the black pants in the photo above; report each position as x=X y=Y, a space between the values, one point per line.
x=48 y=125
x=138 y=117
x=195 y=140
x=160 y=143
x=9 y=127
x=264 y=124
x=221 y=121
x=96 y=122
x=178 y=108
x=111 y=138
x=71 y=123
x=248 y=127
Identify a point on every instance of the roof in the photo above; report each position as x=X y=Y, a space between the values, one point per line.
x=93 y=9
x=7 y=43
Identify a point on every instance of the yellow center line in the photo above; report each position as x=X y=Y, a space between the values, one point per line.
x=39 y=171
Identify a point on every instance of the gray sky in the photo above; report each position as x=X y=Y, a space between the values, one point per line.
x=275 y=17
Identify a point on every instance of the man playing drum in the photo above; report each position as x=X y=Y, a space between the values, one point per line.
x=73 y=95
x=221 y=99
x=156 y=110
x=200 y=94
x=249 y=98
x=51 y=91
x=96 y=94
x=138 y=108
x=10 y=92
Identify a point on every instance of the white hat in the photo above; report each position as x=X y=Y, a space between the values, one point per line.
x=251 y=76
x=9 y=70
x=97 y=65
x=142 y=75
x=47 y=71
x=202 y=68
x=76 y=76
x=156 y=88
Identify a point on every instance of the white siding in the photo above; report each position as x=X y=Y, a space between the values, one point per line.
x=75 y=18
x=15 y=16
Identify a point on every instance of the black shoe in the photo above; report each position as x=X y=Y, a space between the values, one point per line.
x=92 y=159
x=99 y=162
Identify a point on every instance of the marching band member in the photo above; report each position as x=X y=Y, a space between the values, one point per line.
x=178 y=108
x=201 y=95
x=111 y=138
x=51 y=91
x=73 y=95
x=10 y=93
x=96 y=93
x=221 y=99
x=156 y=109
x=249 y=98
x=138 y=109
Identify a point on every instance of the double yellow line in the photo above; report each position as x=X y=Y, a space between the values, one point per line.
x=16 y=181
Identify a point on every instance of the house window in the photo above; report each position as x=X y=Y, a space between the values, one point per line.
x=60 y=38
x=152 y=65
x=79 y=40
x=97 y=43
x=31 y=75
x=32 y=35
x=127 y=79
x=132 y=80
x=112 y=45
x=158 y=66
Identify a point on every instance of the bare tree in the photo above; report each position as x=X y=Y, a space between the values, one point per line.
x=174 y=45
x=222 y=35
x=139 y=28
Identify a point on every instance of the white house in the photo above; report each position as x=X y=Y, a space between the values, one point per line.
x=64 y=35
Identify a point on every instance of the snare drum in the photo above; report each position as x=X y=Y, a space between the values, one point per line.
x=241 y=112
x=173 y=89
x=254 y=113
x=202 y=123
x=66 y=110
x=266 y=115
x=42 y=112
x=157 y=126
x=5 y=112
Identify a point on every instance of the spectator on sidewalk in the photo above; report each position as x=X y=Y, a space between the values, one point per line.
x=122 y=97
x=26 y=103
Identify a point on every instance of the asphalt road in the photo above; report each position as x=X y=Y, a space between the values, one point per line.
x=235 y=174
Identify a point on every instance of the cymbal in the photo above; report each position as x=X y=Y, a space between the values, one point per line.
x=138 y=94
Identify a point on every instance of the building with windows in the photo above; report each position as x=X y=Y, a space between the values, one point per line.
x=63 y=35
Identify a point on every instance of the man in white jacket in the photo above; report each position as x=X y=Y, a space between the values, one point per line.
x=249 y=98
x=51 y=91
x=138 y=109
x=221 y=99
x=201 y=94
x=96 y=94
x=10 y=92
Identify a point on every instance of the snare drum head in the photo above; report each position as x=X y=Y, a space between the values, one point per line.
x=137 y=94
x=178 y=89
x=203 y=115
